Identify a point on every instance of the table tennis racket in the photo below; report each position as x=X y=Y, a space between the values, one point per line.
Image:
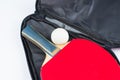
x=81 y=59
x=39 y=40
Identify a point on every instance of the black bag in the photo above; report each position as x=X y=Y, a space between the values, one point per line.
x=96 y=20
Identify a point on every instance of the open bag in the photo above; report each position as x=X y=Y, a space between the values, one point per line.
x=95 y=20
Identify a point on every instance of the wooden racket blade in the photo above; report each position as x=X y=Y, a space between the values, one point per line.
x=39 y=40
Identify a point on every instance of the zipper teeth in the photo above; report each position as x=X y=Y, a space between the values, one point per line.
x=76 y=27
x=75 y=35
x=57 y=26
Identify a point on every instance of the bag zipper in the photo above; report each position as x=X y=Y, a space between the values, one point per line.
x=84 y=33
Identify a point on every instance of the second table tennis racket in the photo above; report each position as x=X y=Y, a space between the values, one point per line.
x=40 y=41
x=81 y=59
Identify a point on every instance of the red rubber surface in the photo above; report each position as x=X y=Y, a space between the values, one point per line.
x=81 y=60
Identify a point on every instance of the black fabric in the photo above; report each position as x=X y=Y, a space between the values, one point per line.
x=100 y=18
x=38 y=57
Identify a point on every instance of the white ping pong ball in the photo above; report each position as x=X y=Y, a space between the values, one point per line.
x=59 y=36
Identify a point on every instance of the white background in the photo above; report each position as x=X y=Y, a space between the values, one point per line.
x=13 y=65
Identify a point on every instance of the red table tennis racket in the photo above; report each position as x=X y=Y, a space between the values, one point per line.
x=81 y=59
